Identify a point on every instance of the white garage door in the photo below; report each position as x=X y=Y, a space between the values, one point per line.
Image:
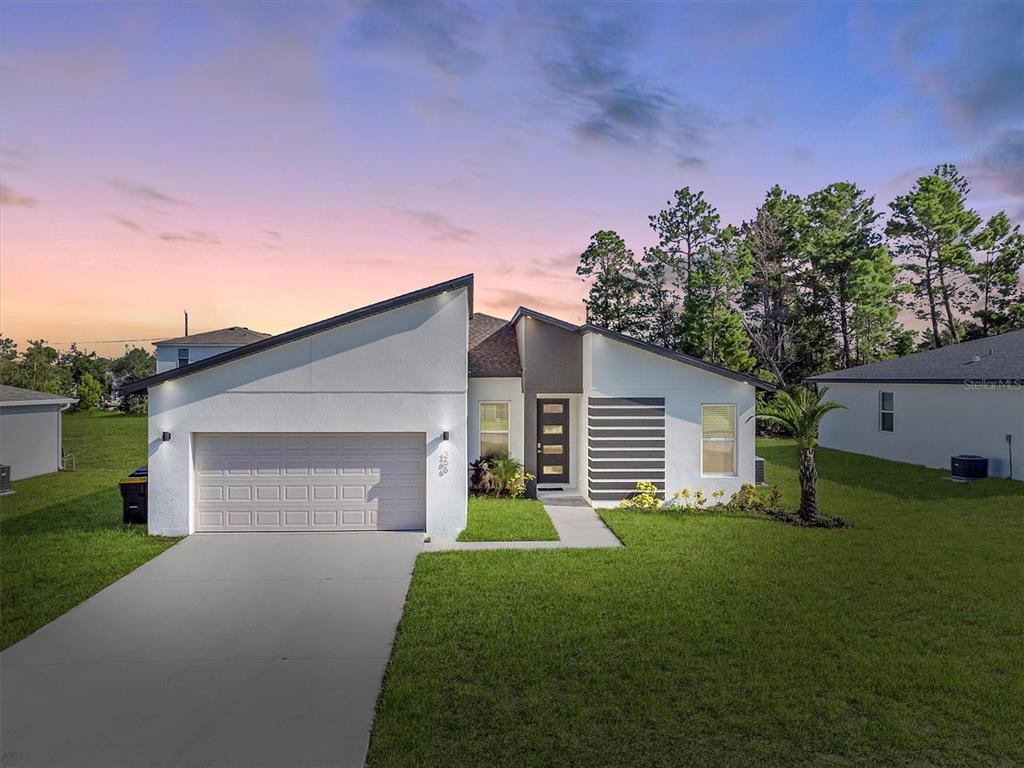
x=309 y=482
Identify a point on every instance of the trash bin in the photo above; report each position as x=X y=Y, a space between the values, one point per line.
x=134 y=500
x=142 y=471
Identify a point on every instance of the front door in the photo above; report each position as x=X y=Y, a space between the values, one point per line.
x=552 y=441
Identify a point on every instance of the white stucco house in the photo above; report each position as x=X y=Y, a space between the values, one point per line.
x=191 y=348
x=30 y=430
x=925 y=408
x=368 y=420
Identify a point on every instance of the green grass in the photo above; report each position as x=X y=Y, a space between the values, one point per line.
x=61 y=536
x=725 y=640
x=507 y=520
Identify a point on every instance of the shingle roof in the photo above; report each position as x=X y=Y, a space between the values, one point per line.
x=17 y=396
x=235 y=335
x=493 y=348
x=994 y=358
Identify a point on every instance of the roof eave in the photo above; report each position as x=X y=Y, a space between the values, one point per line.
x=245 y=350
x=54 y=401
x=535 y=315
x=893 y=380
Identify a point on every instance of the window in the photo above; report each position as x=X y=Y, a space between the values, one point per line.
x=718 y=440
x=182 y=356
x=885 y=412
x=493 y=429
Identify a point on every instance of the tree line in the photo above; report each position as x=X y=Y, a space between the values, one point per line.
x=812 y=284
x=84 y=375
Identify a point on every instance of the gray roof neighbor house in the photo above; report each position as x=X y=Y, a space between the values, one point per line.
x=30 y=430
x=234 y=336
x=993 y=359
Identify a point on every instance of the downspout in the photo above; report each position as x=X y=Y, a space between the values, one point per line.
x=60 y=433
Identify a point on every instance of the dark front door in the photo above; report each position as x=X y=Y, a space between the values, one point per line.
x=552 y=441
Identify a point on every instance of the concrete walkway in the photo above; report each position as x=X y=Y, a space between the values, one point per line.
x=577 y=524
x=226 y=650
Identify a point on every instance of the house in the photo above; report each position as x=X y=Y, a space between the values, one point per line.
x=367 y=420
x=926 y=407
x=30 y=430
x=172 y=353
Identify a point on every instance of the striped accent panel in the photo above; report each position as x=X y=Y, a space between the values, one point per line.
x=625 y=443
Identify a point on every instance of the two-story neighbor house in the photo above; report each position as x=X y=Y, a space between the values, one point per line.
x=367 y=420
x=174 y=353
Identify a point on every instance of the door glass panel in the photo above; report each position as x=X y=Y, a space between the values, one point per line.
x=552 y=429
x=556 y=449
x=553 y=408
x=552 y=469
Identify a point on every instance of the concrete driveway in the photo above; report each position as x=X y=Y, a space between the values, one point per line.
x=227 y=650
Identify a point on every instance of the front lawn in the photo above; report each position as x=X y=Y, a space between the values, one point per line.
x=507 y=520
x=61 y=534
x=724 y=640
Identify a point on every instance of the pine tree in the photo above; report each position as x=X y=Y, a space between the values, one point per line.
x=932 y=229
x=997 y=277
x=855 y=271
x=614 y=300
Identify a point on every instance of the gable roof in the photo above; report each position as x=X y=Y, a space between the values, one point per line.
x=466 y=281
x=656 y=349
x=493 y=347
x=235 y=335
x=16 y=396
x=994 y=358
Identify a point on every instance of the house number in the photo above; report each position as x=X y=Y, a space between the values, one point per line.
x=442 y=465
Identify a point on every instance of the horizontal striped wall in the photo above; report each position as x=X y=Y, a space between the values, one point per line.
x=625 y=443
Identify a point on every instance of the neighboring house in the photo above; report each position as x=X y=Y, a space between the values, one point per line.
x=367 y=420
x=924 y=408
x=30 y=430
x=173 y=353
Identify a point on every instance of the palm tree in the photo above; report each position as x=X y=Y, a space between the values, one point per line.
x=800 y=415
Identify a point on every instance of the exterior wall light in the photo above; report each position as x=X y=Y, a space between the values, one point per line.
x=445 y=435
x=166 y=437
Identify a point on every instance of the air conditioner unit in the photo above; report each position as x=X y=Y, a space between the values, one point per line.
x=759 y=470
x=5 y=478
x=968 y=466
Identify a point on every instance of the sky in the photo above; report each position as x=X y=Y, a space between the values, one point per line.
x=272 y=164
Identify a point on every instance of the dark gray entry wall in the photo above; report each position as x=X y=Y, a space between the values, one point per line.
x=552 y=361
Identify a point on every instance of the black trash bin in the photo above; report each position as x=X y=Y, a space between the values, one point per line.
x=135 y=500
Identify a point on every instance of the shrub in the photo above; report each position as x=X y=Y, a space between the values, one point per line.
x=747 y=499
x=88 y=393
x=646 y=496
x=501 y=475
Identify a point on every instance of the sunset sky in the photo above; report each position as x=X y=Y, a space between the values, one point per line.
x=269 y=165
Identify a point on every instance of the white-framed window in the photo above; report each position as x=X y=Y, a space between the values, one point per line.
x=182 y=356
x=718 y=440
x=886 y=412
x=494 y=427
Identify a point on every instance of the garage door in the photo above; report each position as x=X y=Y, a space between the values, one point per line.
x=309 y=482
